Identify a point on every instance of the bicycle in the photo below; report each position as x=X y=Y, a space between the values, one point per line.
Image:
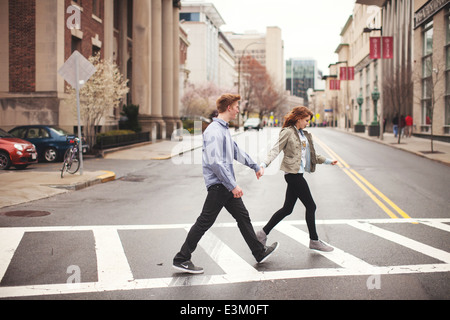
x=71 y=162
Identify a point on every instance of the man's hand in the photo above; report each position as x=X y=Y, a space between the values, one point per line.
x=260 y=173
x=237 y=192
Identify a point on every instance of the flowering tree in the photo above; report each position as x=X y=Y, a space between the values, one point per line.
x=102 y=93
x=200 y=100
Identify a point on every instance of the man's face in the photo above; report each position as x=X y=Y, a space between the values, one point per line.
x=234 y=109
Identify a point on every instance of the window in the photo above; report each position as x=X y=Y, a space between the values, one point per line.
x=187 y=16
x=96 y=7
x=76 y=44
x=427 y=67
x=447 y=74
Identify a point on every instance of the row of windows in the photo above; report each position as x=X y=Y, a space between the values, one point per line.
x=430 y=72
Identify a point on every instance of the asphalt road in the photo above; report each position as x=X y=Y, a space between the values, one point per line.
x=385 y=211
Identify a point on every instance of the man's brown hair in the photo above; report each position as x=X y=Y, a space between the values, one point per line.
x=226 y=100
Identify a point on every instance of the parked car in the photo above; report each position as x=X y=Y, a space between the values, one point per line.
x=253 y=123
x=16 y=152
x=51 y=142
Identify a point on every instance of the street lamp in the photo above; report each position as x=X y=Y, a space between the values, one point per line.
x=359 y=126
x=367 y=30
x=374 y=128
x=239 y=77
x=375 y=97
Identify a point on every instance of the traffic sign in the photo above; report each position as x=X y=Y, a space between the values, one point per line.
x=76 y=71
x=85 y=70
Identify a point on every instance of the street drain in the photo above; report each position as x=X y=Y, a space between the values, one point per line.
x=25 y=213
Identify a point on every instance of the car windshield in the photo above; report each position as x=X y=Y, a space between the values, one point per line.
x=252 y=120
x=4 y=134
x=59 y=131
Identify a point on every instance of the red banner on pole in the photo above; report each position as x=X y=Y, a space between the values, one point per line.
x=375 y=47
x=347 y=73
x=388 y=47
x=343 y=73
x=335 y=84
x=351 y=73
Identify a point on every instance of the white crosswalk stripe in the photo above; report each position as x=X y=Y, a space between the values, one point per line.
x=115 y=273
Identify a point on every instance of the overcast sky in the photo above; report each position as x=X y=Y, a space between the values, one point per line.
x=309 y=28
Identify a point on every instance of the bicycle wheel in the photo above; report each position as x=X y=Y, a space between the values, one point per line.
x=67 y=161
x=74 y=165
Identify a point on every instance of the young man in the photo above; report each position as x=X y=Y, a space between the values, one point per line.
x=219 y=151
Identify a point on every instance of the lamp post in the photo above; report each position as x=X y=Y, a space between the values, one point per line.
x=374 y=128
x=359 y=126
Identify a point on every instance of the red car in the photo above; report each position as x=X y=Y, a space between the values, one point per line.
x=16 y=152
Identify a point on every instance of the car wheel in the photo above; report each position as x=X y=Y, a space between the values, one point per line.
x=50 y=155
x=5 y=161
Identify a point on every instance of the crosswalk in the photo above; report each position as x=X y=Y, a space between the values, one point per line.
x=115 y=271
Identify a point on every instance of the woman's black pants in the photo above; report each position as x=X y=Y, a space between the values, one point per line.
x=297 y=188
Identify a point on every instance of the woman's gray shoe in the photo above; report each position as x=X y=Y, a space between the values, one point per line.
x=262 y=237
x=320 y=245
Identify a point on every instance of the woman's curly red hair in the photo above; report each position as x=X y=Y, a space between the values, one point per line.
x=296 y=114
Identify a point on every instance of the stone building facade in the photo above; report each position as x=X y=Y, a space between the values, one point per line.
x=141 y=36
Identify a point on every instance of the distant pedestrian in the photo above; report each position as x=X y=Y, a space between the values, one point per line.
x=409 y=126
x=219 y=151
x=402 y=126
x=299 y=157
x=395 y=125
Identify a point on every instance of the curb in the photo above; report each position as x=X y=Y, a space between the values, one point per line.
x=108 y=176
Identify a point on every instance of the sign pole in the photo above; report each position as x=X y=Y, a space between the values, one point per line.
x=77 y=87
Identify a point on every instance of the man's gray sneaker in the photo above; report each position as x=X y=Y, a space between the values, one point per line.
x=262 y=237
x=268 y=252
x=320 y=245
x=188 y=267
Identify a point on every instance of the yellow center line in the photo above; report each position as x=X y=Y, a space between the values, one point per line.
x=355 y=176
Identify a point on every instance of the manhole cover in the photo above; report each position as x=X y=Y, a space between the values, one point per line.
x=25 y=213
x=131 y=178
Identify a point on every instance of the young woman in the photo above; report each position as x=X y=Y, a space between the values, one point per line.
x=299 y=157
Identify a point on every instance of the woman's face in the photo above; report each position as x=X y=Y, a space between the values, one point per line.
x=303 y=123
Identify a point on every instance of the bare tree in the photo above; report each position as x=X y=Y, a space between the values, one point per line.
x=433 y=90
x=259 y=88
x=398 y=93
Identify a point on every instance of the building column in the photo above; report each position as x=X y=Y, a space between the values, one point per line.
x=108 y=38
x=167 y=65
x=142 y=68
x=156 y=74
x=176 y=68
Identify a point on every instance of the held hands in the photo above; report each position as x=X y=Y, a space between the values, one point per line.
x=260 y=173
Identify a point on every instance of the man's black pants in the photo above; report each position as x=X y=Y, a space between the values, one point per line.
x=217 y=198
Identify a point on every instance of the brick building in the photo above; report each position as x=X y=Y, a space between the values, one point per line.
x=37 y=37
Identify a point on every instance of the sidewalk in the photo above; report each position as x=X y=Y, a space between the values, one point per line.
x=18 y=187
x=418 y=146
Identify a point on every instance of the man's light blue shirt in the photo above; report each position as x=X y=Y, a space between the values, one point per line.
x=219 y=151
